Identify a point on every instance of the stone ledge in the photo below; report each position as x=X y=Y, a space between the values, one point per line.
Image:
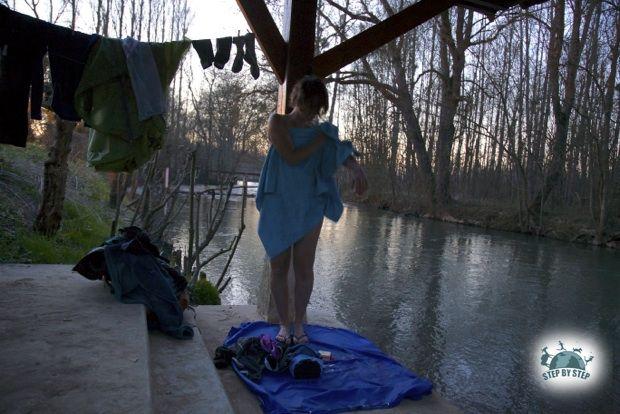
x=68 y=345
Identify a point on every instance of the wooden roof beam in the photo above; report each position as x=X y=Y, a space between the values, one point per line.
x=378 y=35
x=271 y=41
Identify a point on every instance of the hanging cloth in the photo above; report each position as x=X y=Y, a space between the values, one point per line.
x=118 y=140
x=144 y=78
x=68 y=51
x=204 y=48
x=22 y=47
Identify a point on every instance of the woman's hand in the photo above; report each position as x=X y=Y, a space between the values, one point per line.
x=360 y=182
x=279 y=137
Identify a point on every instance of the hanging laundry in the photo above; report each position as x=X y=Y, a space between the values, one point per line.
x=250 y=54
x=144 y=78
x=68 y=51
x=223 y=51
x=118 y=140
x=239 y=42
x=246 y=51
x=22 y=47
x=204 y=48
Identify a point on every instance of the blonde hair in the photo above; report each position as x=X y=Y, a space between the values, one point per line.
x=310 y=90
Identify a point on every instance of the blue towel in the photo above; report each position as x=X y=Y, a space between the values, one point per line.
x=360 y=377
x=292 y=199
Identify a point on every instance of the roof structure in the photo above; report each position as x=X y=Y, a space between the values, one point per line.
x=291 y=54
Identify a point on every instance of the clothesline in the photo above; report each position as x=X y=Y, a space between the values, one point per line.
x=245 y=48
x=118 y=87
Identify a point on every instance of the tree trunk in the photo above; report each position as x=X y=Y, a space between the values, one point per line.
x=452 y=53
x=49 y=217
x=605 y=138
x=562 y=105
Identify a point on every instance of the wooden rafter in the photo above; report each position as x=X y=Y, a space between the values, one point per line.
x=271 y=41
x=290 y=56
x=378 y=35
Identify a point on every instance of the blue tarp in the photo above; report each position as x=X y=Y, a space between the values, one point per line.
x=359 y=377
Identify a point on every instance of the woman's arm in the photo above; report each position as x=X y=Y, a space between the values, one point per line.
x=279 y=137
x=360 y=183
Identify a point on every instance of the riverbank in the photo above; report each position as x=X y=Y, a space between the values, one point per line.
x=86 y=218
x=569 y=225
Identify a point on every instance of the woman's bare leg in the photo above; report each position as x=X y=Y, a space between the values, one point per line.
x=303 y=263
x=279 y=289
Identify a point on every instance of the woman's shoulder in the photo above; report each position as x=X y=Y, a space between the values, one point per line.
x=329 y=129
x=280 y=121
x=276 y=118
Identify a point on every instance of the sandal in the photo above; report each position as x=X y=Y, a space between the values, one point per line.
x=301 y=339
x=286 y=340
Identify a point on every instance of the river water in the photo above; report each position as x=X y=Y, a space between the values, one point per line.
x=463 y=306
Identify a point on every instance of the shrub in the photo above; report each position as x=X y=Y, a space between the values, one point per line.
x=204 y=293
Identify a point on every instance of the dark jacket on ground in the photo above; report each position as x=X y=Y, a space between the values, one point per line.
x=138 y=274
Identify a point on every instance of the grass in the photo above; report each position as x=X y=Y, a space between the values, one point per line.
x=81 y=230
x=86 y=218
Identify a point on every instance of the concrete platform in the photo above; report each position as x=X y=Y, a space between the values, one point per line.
x=214 y=323
x=184 y=378
x=68 y=346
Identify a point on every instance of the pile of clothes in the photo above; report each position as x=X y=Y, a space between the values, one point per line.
x=118 y=87
x=137 y=273
x=252 y=355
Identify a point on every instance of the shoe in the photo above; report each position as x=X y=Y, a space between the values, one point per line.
x=284 y=340
x=297 y=340
x=305 y=367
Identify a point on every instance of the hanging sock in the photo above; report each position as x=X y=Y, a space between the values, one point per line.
x=250 y=54
x=239 y=41
x=204 y=48
x=223 y=51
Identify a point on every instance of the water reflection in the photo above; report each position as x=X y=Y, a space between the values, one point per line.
x=458 y=304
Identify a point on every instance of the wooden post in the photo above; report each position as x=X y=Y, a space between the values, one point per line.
x=299 y=33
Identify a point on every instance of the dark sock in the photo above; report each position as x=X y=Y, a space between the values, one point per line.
x=238 y=63
x=204 y=48
x=223 y=51
x=250 y=54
